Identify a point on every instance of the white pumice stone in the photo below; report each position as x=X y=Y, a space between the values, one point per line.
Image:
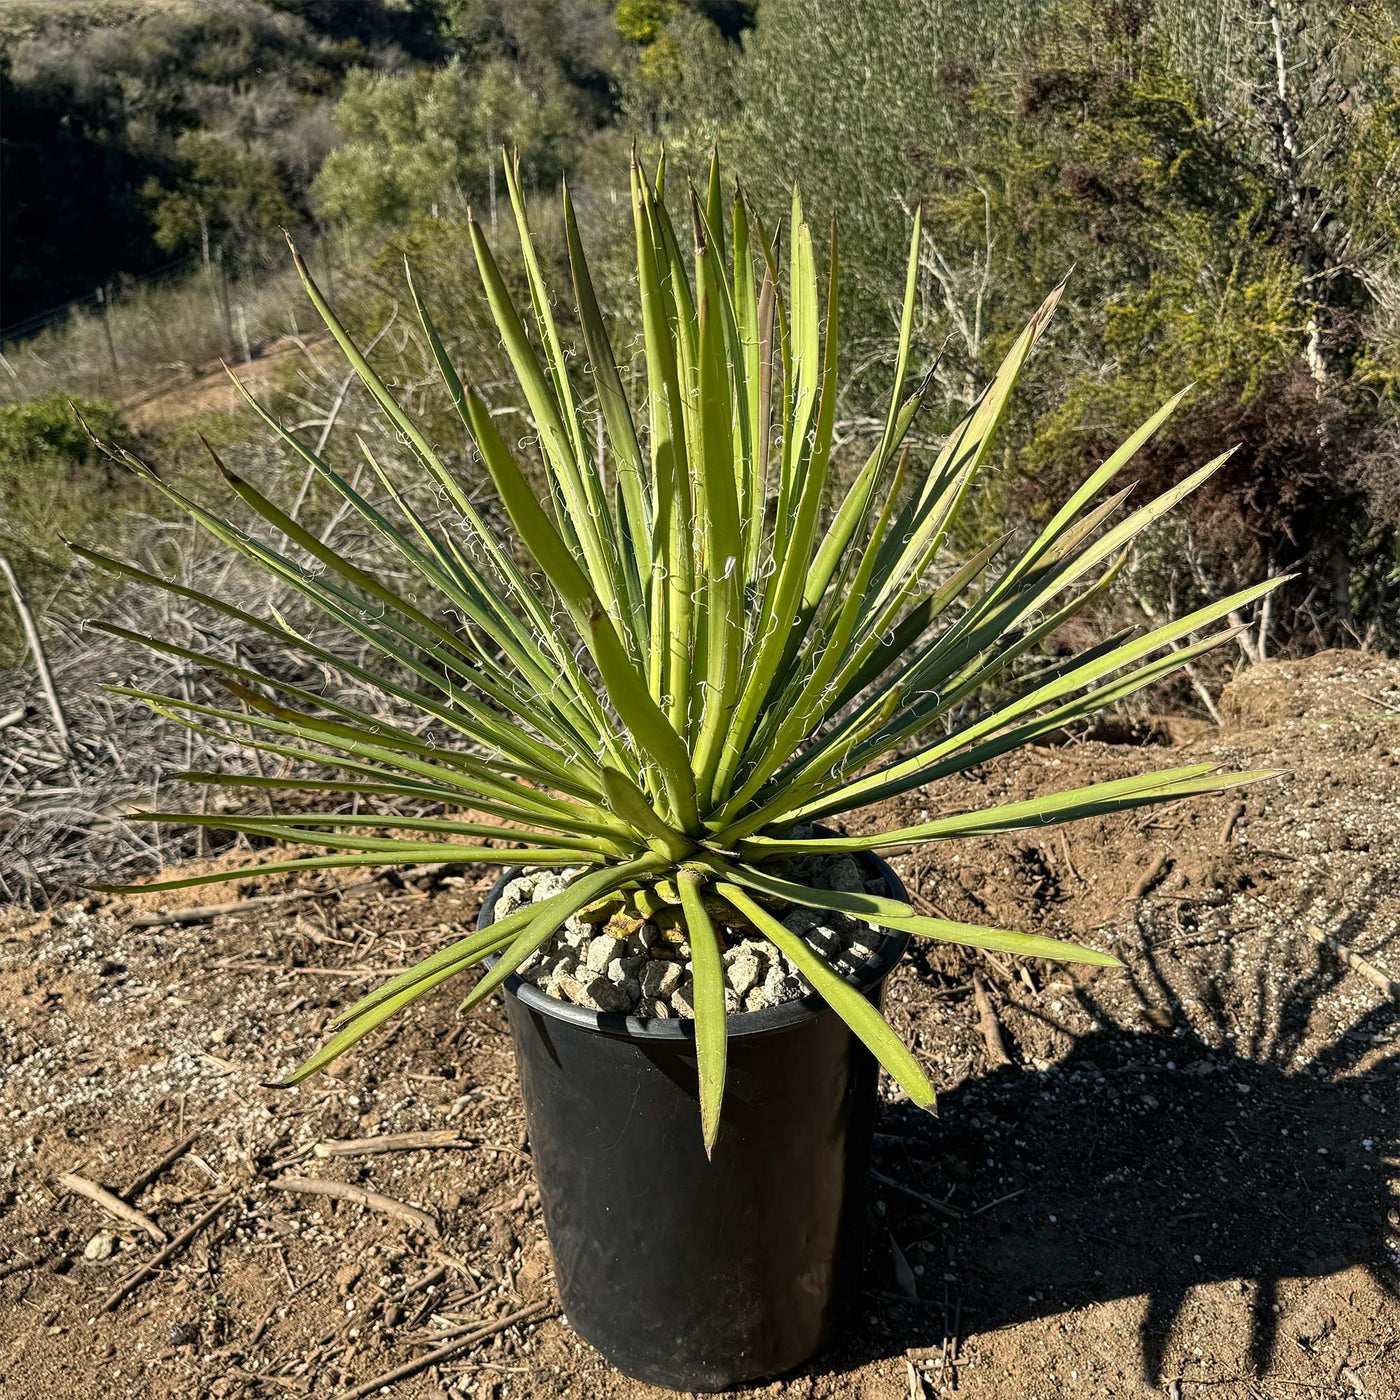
x=569 y=989
x=601 y=995
x=741 y=973
x=100 y=1246
x=648 y=975
x=781 y=986
x=800 y=920
x=627 y=969
x=683 y=999
x=844 y=874
x=601 y=952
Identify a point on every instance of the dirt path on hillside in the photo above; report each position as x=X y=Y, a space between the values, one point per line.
x=208 y=389
x=1185 y=1182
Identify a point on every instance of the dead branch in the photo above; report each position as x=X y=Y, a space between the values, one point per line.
x=536 y=1312
x=1356 y=962
x=36 y=650
x=987 y=1021
x=1150 y=876
x=370 y=1200
x=207 y=913
x=180 y=1241
x=942 y=1207
x=1232 y=818
x=409 y=1142
x=139 y=1183
x=113 y=1205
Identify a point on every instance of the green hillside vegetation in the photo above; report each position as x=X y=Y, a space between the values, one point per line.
x=205 y=126
x=1218 y=233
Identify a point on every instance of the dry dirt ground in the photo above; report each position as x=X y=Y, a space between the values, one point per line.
x=1179 y=1180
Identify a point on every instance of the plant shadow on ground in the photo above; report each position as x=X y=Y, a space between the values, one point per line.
x=1151 y=1163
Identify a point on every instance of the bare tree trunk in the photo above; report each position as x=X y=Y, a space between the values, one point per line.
x=1192 y=674
x=1341 y=583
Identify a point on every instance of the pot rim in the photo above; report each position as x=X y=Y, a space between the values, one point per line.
x=745 y=1023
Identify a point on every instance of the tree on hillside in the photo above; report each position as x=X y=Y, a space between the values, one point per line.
x=223 y=197
x=428 y=141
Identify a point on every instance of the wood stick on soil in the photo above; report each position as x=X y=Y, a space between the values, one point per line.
x=206 y=913
x=1150 y=876
x=1227 y=831
x=987 y=1020
x=916 y=1385
x=139 y=1184
x=1356 y=962
x=1069 y=862
x=371 y=1200
x=155 y=1262
x=931 y=1201
x=112 y=1204
x=1000 y=1200
x=36 y=650
x=536 y=1312
x=409 y=1142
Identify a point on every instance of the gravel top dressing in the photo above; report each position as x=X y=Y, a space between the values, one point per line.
x=646 y=970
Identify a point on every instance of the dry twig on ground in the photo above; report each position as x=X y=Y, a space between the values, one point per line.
x=410 y=1142
x=536 y=1312
x=988 y=1023
x=112 y=1204
x=180 y=1241
x=1356 y=962
x=371 y=1200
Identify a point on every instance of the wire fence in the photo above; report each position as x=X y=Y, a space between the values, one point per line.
x=14 y=332
x=136 y=336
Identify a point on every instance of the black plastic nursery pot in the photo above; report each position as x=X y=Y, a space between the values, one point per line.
x=686 y=1272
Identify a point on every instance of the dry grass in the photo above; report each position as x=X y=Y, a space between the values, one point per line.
x=63 y=817
x=162 y=337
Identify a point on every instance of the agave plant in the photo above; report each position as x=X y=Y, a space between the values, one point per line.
x=692 y=651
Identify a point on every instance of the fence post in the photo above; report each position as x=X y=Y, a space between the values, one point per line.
x=491 y=175
x=243 y=336
x=104 y=301
x=328 y=265
x=224 y=299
